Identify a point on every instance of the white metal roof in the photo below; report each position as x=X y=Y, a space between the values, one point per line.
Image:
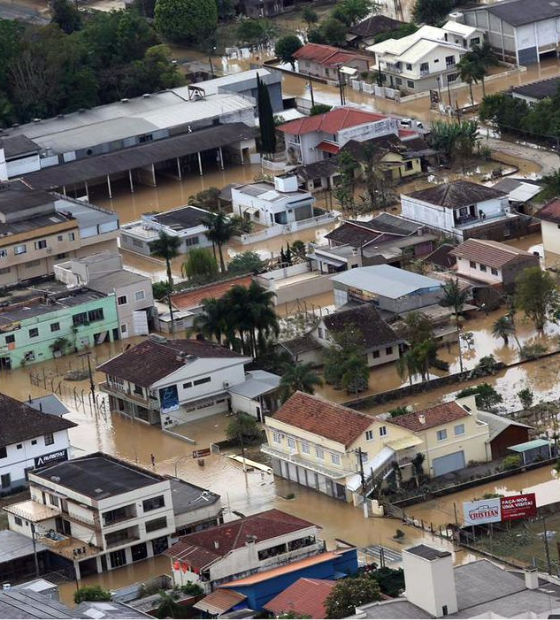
x=461 y=29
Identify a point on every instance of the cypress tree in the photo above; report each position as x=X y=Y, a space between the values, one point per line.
x=266 y=119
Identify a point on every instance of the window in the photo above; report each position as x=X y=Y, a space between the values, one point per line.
x=147 y=138
x=153 y=503
x=62 y=255
x=156 y=524
x=452 y=77
x=54 y=501
x=494 y=271
x=139 y=296
x=450 y=61
x=398 y=81
x=34 y=332
x=55 y=327
x=472 y=264
x=3 y=452
x=482 y=267
x=71 y=236
x=59 y=238
x=201 y=381
x=187 y=385
x=369 y=435
x=10 y=339
x=389 y=351
x=4 y=271
x=41 y=244
x=441 y=435
x=410 y=84
x=118 y=558
x=276 y=437
x=95 y=315
x=305 y=448
x=408 y=165
x=335 y=458
x=459 y=429
x=139 y=390
x=19 y=446
x=408 y=66
x=122 y=300
x=320 y=333
x=475 y=41
x=320 y=454
x=5 y=481
x=424 y=67
x=49 y=439
x=20 y=249
x=3 y=253
x=191 y=241
x=124 y=328
x=33 y=442
x=382 y=431
x=137 y=243
x=375 y=354
x=18 y=521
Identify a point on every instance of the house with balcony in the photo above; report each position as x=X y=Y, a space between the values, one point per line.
x=464 y=209
x=51 y=320
x=270 y=204
x=39 y=229
x=426 y=59
x=240 y=548
x=172 y=382
x=334 y=449
x=29 y=439
x=316 y=138
x=325 y=61
x=98 y=513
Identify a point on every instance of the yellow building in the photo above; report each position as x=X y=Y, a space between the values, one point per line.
x=328 y=447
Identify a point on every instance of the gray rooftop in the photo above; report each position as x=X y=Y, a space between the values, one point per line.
x=235 y=82
x=258 y=383
x=498 y=423
x=28 y=604
x=49 y=404
x=187 y=497
x=110 y=282
x=87 y=215
x=387 y=281
x=14 y=546
x=521 y=12
x=428 y=553
x=267 y=191
x=111 y=609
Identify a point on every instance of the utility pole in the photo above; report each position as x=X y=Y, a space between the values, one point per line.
x=35 y=557
x=311 y=90
x=546 y=548
x=242 y=441
x=87 y=355
x=359 y=452
x=341 y=87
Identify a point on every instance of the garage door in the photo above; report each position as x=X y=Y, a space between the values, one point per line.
x=446 y=464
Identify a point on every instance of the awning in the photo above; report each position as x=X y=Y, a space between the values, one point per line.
x=328 y=261
x=328 y=147
x=531 y=445
x=380 y=459
x=250 y=210
x=403 y=443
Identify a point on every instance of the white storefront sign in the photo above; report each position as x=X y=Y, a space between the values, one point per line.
x=482 y=511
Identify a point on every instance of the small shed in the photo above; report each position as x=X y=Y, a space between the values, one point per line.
x=531 y=451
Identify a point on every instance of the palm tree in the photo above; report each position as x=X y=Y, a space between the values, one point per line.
x=262 y=313
x=470 y=71
x=212 y=322
x=454 y=297
x=486 y=57
x=408 y=365
x=220 y=229
x=298 y=378
x=167 y=247
x=503 y=328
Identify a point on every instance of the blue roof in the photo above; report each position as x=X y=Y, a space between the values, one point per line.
x=530 y=445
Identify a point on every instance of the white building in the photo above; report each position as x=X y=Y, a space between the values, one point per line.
x=426 y=59
x=462 y=209
x=171 y=382
x=104 y=273
x=99 y=513
x=269 y=204
x=550 y=228
x=28 y=439
x=315 y=138
x=519 y=31
x=186 y=223
x=243 y=547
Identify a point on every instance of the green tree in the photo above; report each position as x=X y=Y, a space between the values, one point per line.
x=309 y=16
x=355 y=377
x=244 y=428
x=457 y=139
x=536 y=294
x=315 y=35
x=167 y=247
x=350 y=593
x=256 y=31
x=245 y=262
x=208 y=199
x=91 y=593
x=186 y=21
x=454 y=297
x=266 y=119
x=286 y=47
x=319 y=108
x=345 y=365
x=486 y=58
x=333 y=32
x=66 y=15
x=526 y=397
x=418 y=467
x=486 y=396
x=418 y=327
x=168 y=607
x=220 y=229
x=347 y=181
x=431 y=11
x=298 y=378
x=350 y=12
x=214 y=321
x=503 y=327
x=154 y=72
x=471 y=71
x=201 y=266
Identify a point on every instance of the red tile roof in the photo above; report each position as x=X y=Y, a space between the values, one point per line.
x=321 y=417
x=305 y=597
x=193 y=298
x=490 y=253
x=331 y=122
x=327 y=55
x=328 y=147
x=151 y=361
x=550 y=212
x=220 y=601
x=202 y=548
x=435 y=416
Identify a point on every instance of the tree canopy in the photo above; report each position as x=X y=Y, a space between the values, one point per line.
x=286 y=47
x=245 y=262
x=186 y=21
x=537 y=295
x=431 y=12
x=350 y=593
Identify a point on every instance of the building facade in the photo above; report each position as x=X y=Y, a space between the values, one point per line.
x=325 y=61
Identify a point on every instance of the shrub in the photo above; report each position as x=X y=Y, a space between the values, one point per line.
x=511 y=462
x=193 y=589
x=486 y=396
x=244 y=427
x=526 y=397
x=91 y=593
x=397 y=411
x=532 y=351
x=320 y=108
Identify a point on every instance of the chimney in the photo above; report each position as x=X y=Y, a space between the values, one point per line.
x=422 y=418
x=216 y=544
x=531 y=578
x=429 y=580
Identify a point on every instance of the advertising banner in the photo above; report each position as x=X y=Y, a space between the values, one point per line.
x=482 y=511
x=519 y=507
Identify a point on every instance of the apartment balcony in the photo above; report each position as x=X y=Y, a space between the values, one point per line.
x=291 y=556
x=67 y=546
x=92 y=522
x=116 y=520
x=120 y=542
x=393 y=68
x=424 y=72
x=113 y=390
x=123 y=537
x=293 y=457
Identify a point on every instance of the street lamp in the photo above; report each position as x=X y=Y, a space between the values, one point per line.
x=346 y=71
x=212 y=49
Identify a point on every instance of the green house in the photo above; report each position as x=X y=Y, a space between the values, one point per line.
x=49 y=321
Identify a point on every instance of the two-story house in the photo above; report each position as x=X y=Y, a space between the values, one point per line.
x=269 y=204
x=464 y=209
x=105 y=273
x=315 y=138
x=491 y=262
x=334 y=449
x=243 y=547
x=39 y=229
x=171 y=382
x=99 y=513
x=28 y=439
x=378 y=341
x=426 y=59
x=325 y=61
x=51 y=321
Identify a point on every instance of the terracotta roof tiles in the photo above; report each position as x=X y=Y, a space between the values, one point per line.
x=305 y=597
x=326 y=54
x=435 y=416
x=550 y=212
x=192 y=298
x=490 y=253
x=331 y=122
x=456 y=194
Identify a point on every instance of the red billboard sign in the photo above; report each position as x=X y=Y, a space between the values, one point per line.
x=519 y=507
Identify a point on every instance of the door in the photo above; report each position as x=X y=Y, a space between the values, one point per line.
x=446 y=464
